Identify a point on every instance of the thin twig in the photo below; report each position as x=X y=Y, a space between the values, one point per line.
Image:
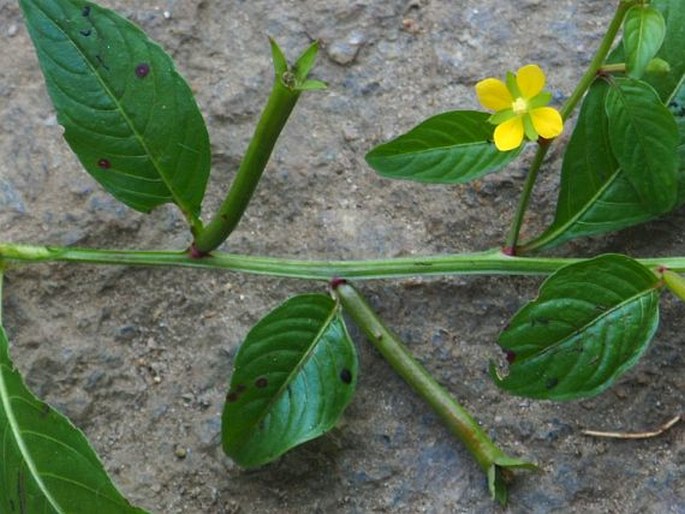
x=636 y=435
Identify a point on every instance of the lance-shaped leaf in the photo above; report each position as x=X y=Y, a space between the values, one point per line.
x=590 y=323
x=293 y=377
x=644 y=29
x=677 y=107
x=46 y=464
x=127 y=114
x=595 y=194
x=671 y=50
x=450 y=148
x=643 y=137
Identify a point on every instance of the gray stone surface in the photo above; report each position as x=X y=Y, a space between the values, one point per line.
x=140 y=358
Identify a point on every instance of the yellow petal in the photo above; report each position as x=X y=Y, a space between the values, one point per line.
x=509 y=134
x=530 y=80
x=547 y=122
x=493 y=94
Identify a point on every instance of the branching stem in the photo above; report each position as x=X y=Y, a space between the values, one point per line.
x=511 y=244
x=274 y=117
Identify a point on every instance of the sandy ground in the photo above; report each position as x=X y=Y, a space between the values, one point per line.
x=140 y=358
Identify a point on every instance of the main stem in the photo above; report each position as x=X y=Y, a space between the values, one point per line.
x=492 y=262
x=276 y=113
x=586 y=80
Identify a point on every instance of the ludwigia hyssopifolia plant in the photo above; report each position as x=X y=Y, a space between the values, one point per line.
x=133 y=123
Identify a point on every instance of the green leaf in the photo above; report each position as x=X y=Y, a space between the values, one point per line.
x=644 y=29
x=671 y=50
x=278 y=57
x=292 y=379
x=677 y=107
x=643 y=136
x=595 y=196
x=127 y=114
x=450 y=148
x=305 y=63
x=46 y=464
x=590 y=323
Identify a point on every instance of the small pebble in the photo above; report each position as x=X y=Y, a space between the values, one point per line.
x=345 y=51
x=180 y=452
x=12 y=30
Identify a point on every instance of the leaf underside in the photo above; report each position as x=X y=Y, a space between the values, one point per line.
x=293 y=376
x=450 y=148
x=591 y=322
x=46 y=464
x=127 y=114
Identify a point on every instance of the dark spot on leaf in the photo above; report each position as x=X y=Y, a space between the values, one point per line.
x=142 y=70
x=551 y=383
x=511 y=356
x=232 y=397
x=105 y=164
x=86 y=33
x=86 y=11
x=261 y=382
x=346 y=376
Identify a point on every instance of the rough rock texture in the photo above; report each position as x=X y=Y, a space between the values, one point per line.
x=140 y=358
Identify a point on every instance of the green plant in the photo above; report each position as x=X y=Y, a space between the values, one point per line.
x=133 y=123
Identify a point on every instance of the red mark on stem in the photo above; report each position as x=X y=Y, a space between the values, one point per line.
x=337 y=281
x=511 y=356
x=509 y=250
x=194 y=253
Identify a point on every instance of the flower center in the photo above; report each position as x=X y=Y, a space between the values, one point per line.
x=520 y=106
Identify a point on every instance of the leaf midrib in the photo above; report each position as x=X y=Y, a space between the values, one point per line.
x=16 y=432
x=594 y=321
x=302 y=361
x=179 y=201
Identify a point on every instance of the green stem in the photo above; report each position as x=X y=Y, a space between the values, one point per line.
x=491 y=262
x=281 y=103
x=2 y=271
x=511 y=243
x=586 y=80
x=597 y=61
x=457 y=419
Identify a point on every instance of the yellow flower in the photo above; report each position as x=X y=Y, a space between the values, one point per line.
x=520 y=107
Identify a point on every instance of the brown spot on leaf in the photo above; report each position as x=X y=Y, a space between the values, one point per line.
x=142 y=70
x=261 y=382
